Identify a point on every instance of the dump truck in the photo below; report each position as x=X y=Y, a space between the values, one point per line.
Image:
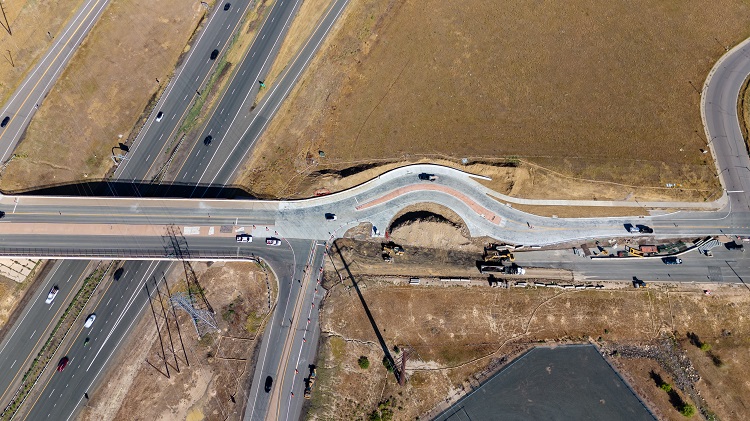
x=310 y=383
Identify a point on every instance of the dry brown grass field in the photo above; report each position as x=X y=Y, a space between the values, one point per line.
x=456 y=331
x=28 y=21
x=103 y=91
x=602 y=91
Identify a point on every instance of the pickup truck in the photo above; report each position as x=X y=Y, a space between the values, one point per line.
x=244 y=238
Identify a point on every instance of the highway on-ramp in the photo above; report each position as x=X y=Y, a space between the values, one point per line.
x=29 y=96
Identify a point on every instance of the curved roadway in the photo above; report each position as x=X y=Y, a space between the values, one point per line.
x=379 y=200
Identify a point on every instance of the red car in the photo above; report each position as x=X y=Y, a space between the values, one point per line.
x=62 y=364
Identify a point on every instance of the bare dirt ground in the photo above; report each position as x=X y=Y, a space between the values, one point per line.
x=454 y=332
x=213 y=385
x=11 y=293
x=459 y=330
x=24 y=36
x=100 y=96
x=590 y=90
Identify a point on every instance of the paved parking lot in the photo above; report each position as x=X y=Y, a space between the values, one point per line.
x=562 y=383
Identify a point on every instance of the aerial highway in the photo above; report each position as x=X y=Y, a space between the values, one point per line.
x=141 y=162
x=234 y=129
x=29 y=96
x=152 y=141
x=34 y=323
x=40 y=226
x=114 y=322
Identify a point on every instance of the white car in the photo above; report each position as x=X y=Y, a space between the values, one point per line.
x=244 y=238
x=90 y=320
x=52 y=294
x=273 y=241
x=159 y=116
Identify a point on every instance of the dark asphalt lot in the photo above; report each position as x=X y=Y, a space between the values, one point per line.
x=562 y=383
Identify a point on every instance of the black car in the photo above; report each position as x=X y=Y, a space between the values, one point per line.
x=118 y=274
x=644 y=229
x=214 y=54
x=207 y=140
x=227 y=6
x=671 y=260
x=269 y=383
x=2 y=214
x=5 y=121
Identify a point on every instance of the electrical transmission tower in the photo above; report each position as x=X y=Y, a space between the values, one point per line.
x=193 y=301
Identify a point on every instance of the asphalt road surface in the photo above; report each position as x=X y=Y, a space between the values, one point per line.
x=287 y=321
x=297 y=218
x=375 y=202
x=173 y=104
x=120 y=307
x=157 y=136
x=35 y=322
x=116 y=313
x=234 y=127
x=26 y=100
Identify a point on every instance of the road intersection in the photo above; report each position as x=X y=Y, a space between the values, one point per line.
x=375 y=202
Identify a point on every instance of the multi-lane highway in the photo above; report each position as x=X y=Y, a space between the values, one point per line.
x=26 y=100
x=39 y=223
x=35 y=322
x=233 y=127
x=189 y=80
x=63 y=394
x=156 y=136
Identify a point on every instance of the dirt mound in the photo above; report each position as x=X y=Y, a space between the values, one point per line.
x=428 y=228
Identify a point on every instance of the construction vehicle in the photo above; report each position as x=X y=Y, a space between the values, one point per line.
x=495 y=255
x=393 y=248
x=634 y=251
x=310 y=382
x=649 y=250
x=387 y=258
x=491 y=268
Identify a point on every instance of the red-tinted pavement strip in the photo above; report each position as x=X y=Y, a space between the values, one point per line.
x=476 y=207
